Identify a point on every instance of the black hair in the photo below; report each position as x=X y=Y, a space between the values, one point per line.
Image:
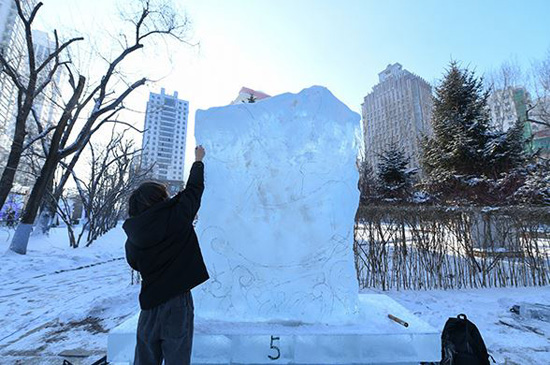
x=145 y=196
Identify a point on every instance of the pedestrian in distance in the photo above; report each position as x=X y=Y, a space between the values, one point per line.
x=10 y=218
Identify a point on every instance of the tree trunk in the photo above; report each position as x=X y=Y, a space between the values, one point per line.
x=20 y=239
x=47 y=209
x=8 y=175
x=65 y=177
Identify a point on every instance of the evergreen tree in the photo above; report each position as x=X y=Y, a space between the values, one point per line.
x=394 y=178
x=367 y=181
x=536 y=187
x=506 y=150
x=460 y=122
x=466 y=159
x=251 y=99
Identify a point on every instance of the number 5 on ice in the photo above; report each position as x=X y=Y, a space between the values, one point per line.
x=276 y=348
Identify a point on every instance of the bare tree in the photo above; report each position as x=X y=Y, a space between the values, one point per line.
x=148 y=19
x=503 y=84
x=367 y=180
x=65 y=211
x=114 y=172
x=538 y=112
x=509 y=74
x=29 y=85
x=103 y=103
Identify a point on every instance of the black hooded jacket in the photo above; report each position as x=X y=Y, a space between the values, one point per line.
x=163 y=247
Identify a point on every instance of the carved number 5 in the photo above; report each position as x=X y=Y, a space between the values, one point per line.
x=276 y=348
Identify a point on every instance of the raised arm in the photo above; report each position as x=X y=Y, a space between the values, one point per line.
x=189 y=199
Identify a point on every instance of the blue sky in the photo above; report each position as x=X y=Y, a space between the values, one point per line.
x=344 y=44
x=287 y=45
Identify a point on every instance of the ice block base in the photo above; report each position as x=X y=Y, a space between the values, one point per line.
x=374 y=339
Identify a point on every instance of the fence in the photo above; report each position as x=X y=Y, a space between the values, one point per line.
x=443 y=248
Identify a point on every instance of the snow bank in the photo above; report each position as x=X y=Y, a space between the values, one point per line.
x=276 y=222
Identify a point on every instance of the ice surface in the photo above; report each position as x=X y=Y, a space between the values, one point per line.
x=534 y=311
x=277 y=216
x=371 y=339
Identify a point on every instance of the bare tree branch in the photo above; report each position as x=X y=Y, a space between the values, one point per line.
x=124 y=123
x=8 y=70
x=38 y=137
x=58 y=49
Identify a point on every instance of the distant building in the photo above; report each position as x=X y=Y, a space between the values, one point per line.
x=508 y=106
x=541 y=142
x=246 y=94
x=397 y=110
x=541 y=133
x=45 y=106
x=165 y=138
x=540 y=110
x=12 y=46
x=45 y=103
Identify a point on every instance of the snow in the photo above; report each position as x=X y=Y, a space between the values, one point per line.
x=57 y=299
x=510 y=338
x=44 y=313
x=277 y=216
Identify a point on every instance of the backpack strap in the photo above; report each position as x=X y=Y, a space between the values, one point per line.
x=461 y=316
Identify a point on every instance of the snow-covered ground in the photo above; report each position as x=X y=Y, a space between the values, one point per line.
x=509 y=338
x=57 y=301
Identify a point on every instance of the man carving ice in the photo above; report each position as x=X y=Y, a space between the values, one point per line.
x=163 y=247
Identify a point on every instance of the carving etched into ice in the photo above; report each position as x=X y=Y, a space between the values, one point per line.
x=277 y=216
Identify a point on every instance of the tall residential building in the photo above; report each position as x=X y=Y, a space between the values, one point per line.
x=398 y=110
x=540 y=111
x=12 y=46
x=541 y=134
x=164 y=138
x=45 y=103
x=508 y=106
x=541 y=142
x=45 y=108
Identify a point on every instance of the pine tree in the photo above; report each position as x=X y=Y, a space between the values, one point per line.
x=394 y=178
x=536 y=187
x=251 y=99
x=465 y=158
x=460 y=122
x=506 y=150
x=367 y=181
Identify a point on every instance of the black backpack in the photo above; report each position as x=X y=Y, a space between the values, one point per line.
x=462 y=344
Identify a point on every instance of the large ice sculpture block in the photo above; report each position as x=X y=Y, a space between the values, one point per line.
x=277 y=216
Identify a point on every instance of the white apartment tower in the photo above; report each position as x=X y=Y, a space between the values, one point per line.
x=164 y=138
x=12 y=46
x=45 y=103
x=507 y=106
x=398 y=110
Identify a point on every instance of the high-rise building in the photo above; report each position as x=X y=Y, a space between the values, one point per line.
x=540 y=111
x=164 y=138
x=45 y=102
x=508 y=106
x=12 y=46
x=398 y=110
x=45 y=108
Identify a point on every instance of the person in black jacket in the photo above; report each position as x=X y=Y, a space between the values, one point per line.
x=163 y=247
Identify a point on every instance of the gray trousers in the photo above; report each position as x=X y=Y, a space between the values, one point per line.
x=166 y=333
